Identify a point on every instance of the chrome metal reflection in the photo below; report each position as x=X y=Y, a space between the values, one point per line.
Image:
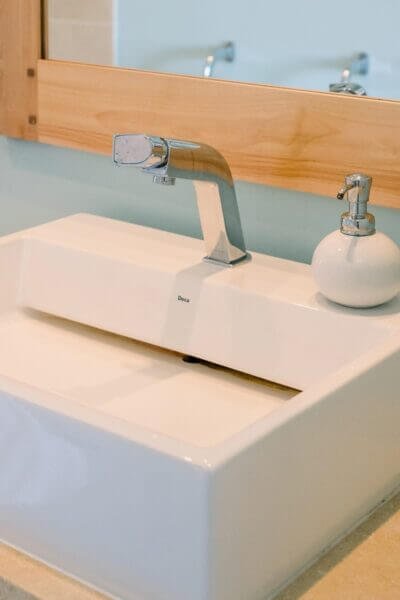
x=358 y=66
x=225 y=52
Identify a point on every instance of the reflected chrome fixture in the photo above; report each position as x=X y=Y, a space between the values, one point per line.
x=168 y=159
x=224 y=52
x=358 y=66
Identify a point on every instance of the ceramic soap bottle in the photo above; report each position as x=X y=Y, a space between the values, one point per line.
x=357 y=266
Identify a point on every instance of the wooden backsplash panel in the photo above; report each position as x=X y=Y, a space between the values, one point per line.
x=288 y=138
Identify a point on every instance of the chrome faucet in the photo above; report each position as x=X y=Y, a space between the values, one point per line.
x=224 y=52
x=359 y=65
x=168 y=159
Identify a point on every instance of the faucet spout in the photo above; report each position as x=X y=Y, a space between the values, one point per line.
x=169 y=159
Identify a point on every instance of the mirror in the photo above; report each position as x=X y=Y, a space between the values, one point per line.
x=343 y=47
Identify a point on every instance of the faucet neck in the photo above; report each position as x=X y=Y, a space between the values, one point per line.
x=168 y=159
x=215 y=193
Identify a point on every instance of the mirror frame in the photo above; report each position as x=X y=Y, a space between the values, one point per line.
x=295 y=139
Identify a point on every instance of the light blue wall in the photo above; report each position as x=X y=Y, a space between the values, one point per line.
x=40 y=183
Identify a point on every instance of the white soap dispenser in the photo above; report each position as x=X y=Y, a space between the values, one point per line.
x=357 y=266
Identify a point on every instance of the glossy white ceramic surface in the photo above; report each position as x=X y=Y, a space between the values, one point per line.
x=155 y=479
x=262 y=317
x=357 y=271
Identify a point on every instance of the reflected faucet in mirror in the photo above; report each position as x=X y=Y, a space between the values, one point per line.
x=225 y=52
x=358 y=66
x=256 y=42
x=167 y=160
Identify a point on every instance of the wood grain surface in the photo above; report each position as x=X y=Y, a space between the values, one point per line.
x=20 y=34
x=289 y=138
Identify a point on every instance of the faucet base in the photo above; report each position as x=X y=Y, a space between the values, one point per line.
x=245 y=258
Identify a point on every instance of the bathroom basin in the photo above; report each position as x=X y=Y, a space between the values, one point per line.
x=153 y=478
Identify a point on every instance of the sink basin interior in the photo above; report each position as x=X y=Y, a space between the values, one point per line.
x=143 y=385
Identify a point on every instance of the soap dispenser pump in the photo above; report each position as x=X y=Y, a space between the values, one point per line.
x=357 y=266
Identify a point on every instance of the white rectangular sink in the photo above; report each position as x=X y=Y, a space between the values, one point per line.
x=156 y=479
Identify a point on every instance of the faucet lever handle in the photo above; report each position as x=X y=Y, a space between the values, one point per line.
x=139 y=150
